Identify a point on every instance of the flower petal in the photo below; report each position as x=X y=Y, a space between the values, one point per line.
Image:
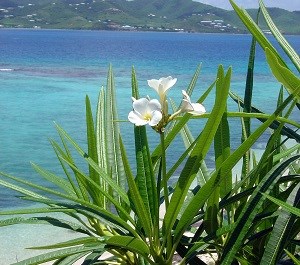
x=167 y=82
x=198 y=109
x=154 y=104
x=185 y=95
x=135 y=118
x=156 y=117
x=186 y=106
x=154 y=83
x=141 y=106
x=162 y=85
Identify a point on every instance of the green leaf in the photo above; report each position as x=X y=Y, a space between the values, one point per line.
x=280 y=233
x=135 y=196
x=197 y=246
x=294 y=259
x=145 y=179
x=92 y=211
x=129 y=243
x=92 y=258
x=236 y=198
x=284 y=205
x=96 y=188
x=117 y=188
x=58 y=181
x=112 y=129
x=91 y=140
x=72 y=243
x=19 y=188
x=252 y=207
x=79 y=187
x=101 y=130
x=69 y=259
x=170 y=136
x=189 y=142
x=246 y=122
x=201 y=196
x=102 y=142
x=284 y=75
x=145 y=176
x=193 y=82
x=93 y=154
x=279 y=37
x=84 y=206
x=43 y=220
x=198 y=153
x=134 y=84
x=58 y=254
x=256 y=113
x=255 y=30
x=222 y=152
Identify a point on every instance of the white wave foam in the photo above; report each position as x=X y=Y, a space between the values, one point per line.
x=6 y=69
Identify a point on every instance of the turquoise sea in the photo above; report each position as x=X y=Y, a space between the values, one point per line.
x=45 y=75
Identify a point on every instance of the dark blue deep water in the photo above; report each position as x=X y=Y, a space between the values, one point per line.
x=45 y=75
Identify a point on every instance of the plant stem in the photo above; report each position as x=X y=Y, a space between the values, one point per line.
x=164 y=169
x=165 y=190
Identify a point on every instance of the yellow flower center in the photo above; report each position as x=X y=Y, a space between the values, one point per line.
x=147 y=116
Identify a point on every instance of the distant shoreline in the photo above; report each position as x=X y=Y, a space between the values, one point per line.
x=150 y=31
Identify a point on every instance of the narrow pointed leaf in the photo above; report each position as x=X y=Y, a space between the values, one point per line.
x=222 y=151
x=246 y=122
x=72 y=243
x=188 y=141
x=40 y=259
x=293 y=258
x=91 y=140
x=112 y=136
x=101 y=130
x=91 y=162
x=281 y=230
x=145 y=176
x=251 y=209
x=156 y=154
x=69 y=259
x=58 y=181
x=130 y=243
x=197 y=155
x=76 y=183
x=74 y=227
x=106 y=215
x=19 y=188
x=279 y=37
x=255 y=30
x=284 y=75
x=285 y=130
x=284 y=205
x=202 y=195
x=135 y=196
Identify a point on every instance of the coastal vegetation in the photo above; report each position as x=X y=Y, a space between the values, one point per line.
x=128 y=213
x=143 y=15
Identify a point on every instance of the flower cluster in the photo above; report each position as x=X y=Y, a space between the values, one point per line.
x=153 y=111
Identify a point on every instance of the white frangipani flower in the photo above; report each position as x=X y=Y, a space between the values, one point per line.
x=188 y=106
x=145 y=111
x=162 y=85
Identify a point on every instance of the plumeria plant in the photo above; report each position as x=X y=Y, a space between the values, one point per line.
x=131 y=213
x=154 y=112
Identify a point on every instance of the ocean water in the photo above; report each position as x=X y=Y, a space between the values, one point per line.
x=46 y=74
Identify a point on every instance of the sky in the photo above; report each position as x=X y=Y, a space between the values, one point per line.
x=290 y=5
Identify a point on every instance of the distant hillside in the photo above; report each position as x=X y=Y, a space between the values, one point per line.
x=159 y=15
